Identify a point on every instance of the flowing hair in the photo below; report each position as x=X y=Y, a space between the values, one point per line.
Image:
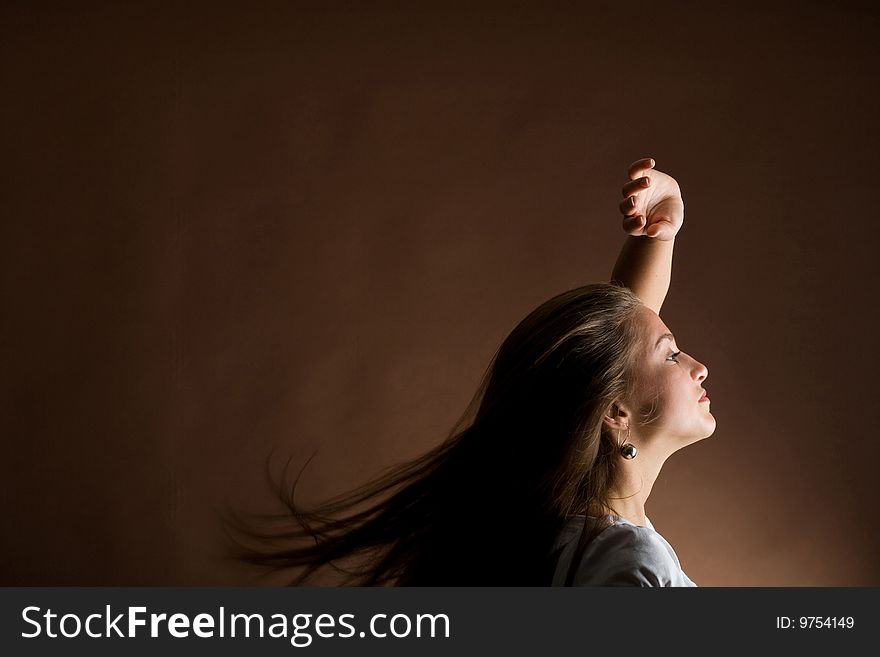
x=484 y=507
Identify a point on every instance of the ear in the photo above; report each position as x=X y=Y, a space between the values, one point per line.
x=616 y=418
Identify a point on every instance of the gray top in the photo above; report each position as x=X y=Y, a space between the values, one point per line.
x=623 y=554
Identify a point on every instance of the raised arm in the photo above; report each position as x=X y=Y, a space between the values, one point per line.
x=653 y=212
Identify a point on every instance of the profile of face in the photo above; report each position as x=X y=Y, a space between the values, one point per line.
x=669 y=389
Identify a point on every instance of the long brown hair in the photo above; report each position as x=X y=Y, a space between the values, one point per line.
x=484 y=507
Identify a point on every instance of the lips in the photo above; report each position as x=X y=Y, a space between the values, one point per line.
x=704 y=397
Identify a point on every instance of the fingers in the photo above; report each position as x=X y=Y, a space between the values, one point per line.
x=639 y=167
x=633 y=221
x=628 y=206
x=634 y=225
x=635 y=186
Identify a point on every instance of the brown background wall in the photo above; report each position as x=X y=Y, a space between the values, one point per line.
x=231 y=229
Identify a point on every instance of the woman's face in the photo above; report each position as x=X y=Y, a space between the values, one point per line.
x=670 y=383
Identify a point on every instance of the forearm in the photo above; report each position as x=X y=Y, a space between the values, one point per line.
x=645 y=267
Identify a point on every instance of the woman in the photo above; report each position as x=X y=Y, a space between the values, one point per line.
x=544 y=479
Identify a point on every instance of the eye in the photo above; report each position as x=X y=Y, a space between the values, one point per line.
x=674 y=356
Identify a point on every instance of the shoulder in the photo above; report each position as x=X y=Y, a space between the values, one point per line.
x=627 y=555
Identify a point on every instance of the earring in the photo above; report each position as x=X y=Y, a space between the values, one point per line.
x=627 y=450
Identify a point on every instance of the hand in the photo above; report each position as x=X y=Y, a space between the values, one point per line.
x=652 y=202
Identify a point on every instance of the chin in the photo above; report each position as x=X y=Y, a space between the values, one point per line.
x=711 y=428
x=707 y=429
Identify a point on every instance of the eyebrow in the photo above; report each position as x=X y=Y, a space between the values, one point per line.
x=665 y=336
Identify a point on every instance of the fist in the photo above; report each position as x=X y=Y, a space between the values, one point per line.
x=652 y=203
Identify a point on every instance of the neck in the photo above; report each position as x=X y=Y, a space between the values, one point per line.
x=629 y=494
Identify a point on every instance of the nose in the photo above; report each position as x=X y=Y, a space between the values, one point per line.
x=701 y=371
